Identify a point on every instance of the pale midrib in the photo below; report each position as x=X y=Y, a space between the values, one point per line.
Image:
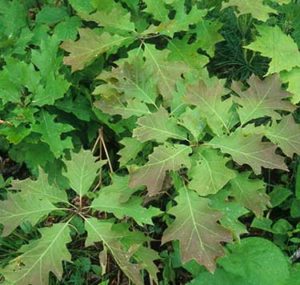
x=43 y=254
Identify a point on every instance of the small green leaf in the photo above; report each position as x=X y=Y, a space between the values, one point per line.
x=81 y=171
x=110 y=200
x=250 y=193
x=51 y=132
x=210 y=173
x=130 y=150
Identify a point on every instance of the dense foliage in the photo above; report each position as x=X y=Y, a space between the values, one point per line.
x=149 y=142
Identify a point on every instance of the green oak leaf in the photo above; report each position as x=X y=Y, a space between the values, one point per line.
x=181 y=21
x=164 y=158
x=110 y=200
x=208 y=35
x=272 y=42
x=130 y=150
x=249 y=149
x=130 y=79
x=23 y=207
x=197 y=230
x=116 y=21
x=191 y=120
x=232 y=211
x=256 y=8
x=103 y=231
x=90 y=45
x=165 y=73
x=51 y=132
x=14 y=77
x=292 y=78
x=157 y=9
x=250 y=193
x=207 y=97
x=209 y=174
x=81 y=171
x=263 y=98
x=40 y=187
x=285 y=134
x=158 y=126
x=40 y=257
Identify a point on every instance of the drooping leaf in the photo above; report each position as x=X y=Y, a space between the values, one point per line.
x=249 y=150
x=110 y=200
x=286 y=134
x=81 y=171
x=197 y=230
x=23 y=207
x=158 y=126
x=272 y=42
x=207 y=97
x=89 y=47
x=102 y=231
x=164 y=158
x=262 y=98
x=51 y=132
x=40 y=257
x=130 y=150
x=250 y=193
x=210 y=173
x=256 y=8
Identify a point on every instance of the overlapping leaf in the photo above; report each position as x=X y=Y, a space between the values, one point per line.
x=82 y=170
x=262 y=98
x=207 y=97
x=210 y=173
x=158 y=126
x=110 y=200
x=250 y=193
x=286 y=135
x=249 y=150
x=103 y=231
x=272 y=42
x=164 y=158
x=51 y=132
x=90 y=45
x=256 y=8
x=40 y=257
x=23 y=207
x=197 y=229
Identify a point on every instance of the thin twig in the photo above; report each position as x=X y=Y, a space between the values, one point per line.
x=106 y=152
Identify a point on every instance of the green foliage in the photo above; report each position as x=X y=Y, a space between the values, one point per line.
x=158 y=135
